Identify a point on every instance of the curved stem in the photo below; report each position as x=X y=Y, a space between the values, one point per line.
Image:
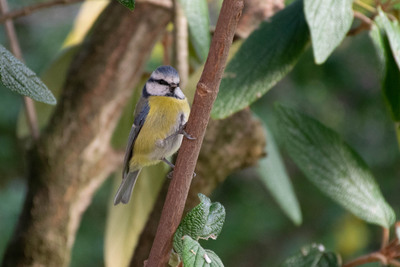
x=30 y=9
x=373 y=257
x=16 y=50
x=365 y=6
x=385 y=237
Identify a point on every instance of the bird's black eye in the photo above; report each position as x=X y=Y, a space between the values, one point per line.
x=163 y=82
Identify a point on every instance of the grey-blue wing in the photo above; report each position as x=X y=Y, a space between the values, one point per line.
x=141 y=111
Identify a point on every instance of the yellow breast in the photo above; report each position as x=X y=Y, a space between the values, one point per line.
x=163 y=119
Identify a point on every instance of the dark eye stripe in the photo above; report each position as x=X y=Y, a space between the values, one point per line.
x=163 y=82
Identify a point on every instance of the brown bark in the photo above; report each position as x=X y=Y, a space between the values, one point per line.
x=229 y=145
x=206 y=93
x=72 y=157
x=233 y=143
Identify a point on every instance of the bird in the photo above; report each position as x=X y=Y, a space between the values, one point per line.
x=158 y=128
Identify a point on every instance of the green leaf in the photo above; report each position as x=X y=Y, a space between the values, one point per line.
x=390 y=73
x=196 y=12
x=130 y=4
x=333 y=167
x=273 y=173
x=266 y=56
x=16 y=76
x=313 y=256
x=329 y=21
x=392 y=30
x=194 y=255
x=203 y=221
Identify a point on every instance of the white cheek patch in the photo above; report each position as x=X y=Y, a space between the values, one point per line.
x=155 y=89
x=179 y=94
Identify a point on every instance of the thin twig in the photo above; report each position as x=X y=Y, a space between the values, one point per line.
x=30 y=9
x=166 y=42
x=366 y=24
x=372 y=257
x=363 y=18
x=385 y=237
x=365 y=6
x=206 y=93
x=15 y=48
x=394 y=263
x=181 y=50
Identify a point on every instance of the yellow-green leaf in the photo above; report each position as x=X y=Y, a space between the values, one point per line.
x=330 y=164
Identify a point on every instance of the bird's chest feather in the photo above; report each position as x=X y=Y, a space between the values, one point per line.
x=165 y=116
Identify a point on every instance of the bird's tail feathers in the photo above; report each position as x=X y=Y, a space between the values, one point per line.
x=125 y=189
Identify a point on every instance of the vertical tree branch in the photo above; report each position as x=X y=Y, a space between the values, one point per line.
x=181 y=51
x=16 y=50
x=207 y=90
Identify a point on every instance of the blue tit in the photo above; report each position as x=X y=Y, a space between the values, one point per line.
x=158 y=128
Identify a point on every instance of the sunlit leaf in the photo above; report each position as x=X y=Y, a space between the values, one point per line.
x=329 y=21
x=16 y=76
x=130 y=4
x=390 y=73
x=126 y=222
x=196 y=12
x=194 y=255
x=273 y=173
x=333 y=167
x=203 y=221
x=392 y=29
x=266 y=56
x=313 y=256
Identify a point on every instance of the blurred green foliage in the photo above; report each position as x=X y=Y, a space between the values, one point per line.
x=344 y=94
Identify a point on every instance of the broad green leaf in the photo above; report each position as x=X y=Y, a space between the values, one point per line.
x=203 y=221
x=194 y=255
x=392 y=29
x=126 y=222
x=196 y=12
x=266 y=56
x=390 y=73
x=376 y=34
x=16 y=76
x=333 y=167
x=329 y=21
x=273 y=173
x=313 y=256
x=130 y=4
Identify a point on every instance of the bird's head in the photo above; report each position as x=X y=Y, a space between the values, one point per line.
x=164 y=81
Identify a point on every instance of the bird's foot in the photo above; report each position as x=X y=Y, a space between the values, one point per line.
x=184 y=133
